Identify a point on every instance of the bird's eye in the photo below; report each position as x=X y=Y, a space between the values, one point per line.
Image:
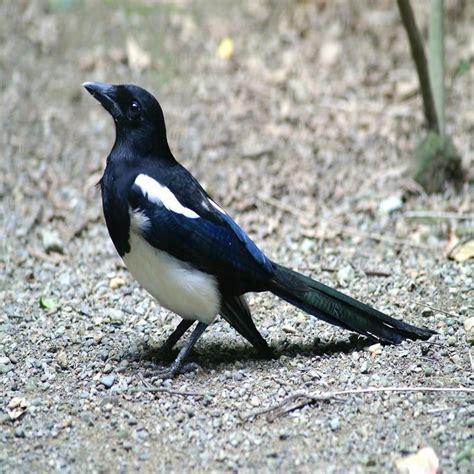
x=134 y=110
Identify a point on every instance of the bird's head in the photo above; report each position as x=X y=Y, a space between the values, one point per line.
x=138 y=117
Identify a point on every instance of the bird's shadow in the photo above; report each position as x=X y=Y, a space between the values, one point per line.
x=210 y=354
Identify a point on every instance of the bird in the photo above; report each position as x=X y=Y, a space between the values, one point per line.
x=187 y=252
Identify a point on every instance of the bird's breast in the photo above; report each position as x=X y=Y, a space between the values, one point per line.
x=190 y=293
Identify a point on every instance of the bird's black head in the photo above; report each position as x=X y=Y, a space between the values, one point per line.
x=138 y=117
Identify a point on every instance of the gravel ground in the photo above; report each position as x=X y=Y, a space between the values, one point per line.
x=305 y=135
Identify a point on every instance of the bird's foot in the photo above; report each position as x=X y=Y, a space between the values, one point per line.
x=189 y=367
x=171 y=371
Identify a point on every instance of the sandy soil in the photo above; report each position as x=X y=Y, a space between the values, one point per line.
x=306 y=136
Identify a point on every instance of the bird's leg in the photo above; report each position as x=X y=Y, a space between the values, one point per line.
x=178 y=363
x=164 y=351
x=176 y=335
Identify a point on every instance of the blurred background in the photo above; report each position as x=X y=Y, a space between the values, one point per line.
x=313 y=103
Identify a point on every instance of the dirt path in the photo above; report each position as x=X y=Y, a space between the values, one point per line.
x=305 y=136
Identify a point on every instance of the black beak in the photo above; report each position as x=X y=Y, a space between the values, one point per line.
x=106 y=95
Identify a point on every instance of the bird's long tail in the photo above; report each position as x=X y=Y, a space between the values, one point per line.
x=341 y=310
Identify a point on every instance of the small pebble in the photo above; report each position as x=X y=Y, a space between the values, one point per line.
x=116 y=282
x=456 y=359
x=115 y=316
x=255 y=401
x=108 y=380
x=375 y=349
x=61 y=359
x=107 y=369
x=5 y=368
x=345 y=275
x=426 y=312
x=364 y=367
x=52 y=241
x=19 y=432
x=4 y=360
x=335 y=424
x=288 y=329
x=237 y=376
x=132 y=421
x=469 y=329
x=127 y=445
x=390 y=204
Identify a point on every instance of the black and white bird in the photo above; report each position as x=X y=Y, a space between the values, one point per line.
x=188 y=253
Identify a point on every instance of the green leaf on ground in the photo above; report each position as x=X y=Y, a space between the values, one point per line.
x=47 y=303
x=462 y=68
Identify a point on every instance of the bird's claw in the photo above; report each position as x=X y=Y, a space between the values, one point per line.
x=171 y=371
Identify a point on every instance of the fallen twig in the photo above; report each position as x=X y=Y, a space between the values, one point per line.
x=438 y=215
x=148 y=387
x=144 y=381
x=434 y=411
x=379 y=273
x=420 y=303
x=308 y=399
x=165 y=390
x=382 y=238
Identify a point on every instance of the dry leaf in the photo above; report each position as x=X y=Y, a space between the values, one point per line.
x=138 y=58
x=424 y=461
x=452 y=241
x=17 y=408
x=375 y=350
x=407 y=89
x=116 y=282
x=16 y=402
x=462 y=251
x=226 y=48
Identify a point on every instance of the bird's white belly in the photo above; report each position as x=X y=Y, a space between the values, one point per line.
x=188 y=292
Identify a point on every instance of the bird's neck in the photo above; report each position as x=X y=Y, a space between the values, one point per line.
x=131 y=149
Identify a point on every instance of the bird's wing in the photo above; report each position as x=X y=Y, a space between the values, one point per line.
x=186 y=223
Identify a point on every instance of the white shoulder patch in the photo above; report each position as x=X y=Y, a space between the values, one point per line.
x=219 y=208
x=162 y=195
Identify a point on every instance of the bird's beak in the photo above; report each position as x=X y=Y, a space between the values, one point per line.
x=106 y=95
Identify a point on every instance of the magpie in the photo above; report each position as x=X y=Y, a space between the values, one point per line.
x=186 y=250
